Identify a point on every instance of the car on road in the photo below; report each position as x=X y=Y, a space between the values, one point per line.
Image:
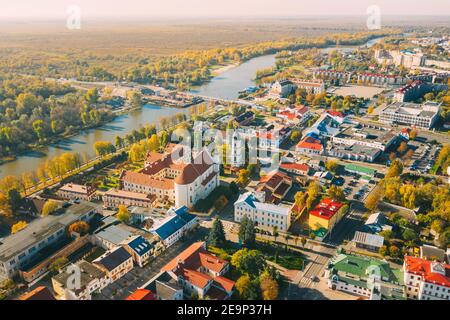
x=314 y=278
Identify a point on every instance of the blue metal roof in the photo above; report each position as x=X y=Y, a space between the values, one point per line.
x=140 y=245
x=175 y=223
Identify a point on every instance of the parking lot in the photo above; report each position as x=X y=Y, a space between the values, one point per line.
x=355 y=188
x=424 y=157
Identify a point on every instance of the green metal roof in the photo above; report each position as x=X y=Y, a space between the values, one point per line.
x=360 y=169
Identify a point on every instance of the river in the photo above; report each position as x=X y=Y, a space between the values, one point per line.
x=225 y=86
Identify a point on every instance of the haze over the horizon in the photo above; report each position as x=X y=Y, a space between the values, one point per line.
x=209 y=8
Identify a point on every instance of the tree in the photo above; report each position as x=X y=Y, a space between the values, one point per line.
x=18 y=226
x=103 y=148
x=300 y=199
x=409 y=235
x=123 y=215
x=303 y=241
x=250 y=262
x=275 y=233
x=243 y=176
x=295 y=136
x=395 y=169
x=269 y=287
x=336 y=193
x=5 y=206
x=402 y=148
x=373 y=200
x=243 y=285
x=216 y=235
x=58 y=264
x=242 y=228
x=80 y=227
x=394 y=252
x=92 y=96
x=49 y=207
x=383 y=251
x=250 y=233
x=332 y=165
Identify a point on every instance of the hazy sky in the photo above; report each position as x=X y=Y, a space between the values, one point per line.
x=189 y=8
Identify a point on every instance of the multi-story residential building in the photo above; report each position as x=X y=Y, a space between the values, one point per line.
x=140 y=249
x=366 y=277
x=165 y=287
x=411 y=91
x=403 y=58
x=114 y=198
x=41 y=293
x=72 y=191
x=332 y=75
x=20 y=250
x=178 y=222
x=380 y=79
x=264 y=215
x=426 y=280
x=199 y=272
x=419 y=115
x=115 y=263
x=91 y=279
x=244 y=119
x=171 y=178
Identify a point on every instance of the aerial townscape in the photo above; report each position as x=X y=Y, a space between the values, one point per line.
x=187 y=160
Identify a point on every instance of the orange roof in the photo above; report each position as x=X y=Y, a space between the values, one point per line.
x=423 y=268
x=197 y=278
x=183 y=256
x=295 y=166
x=224 y=283
x=326 y=209
x=193 y=170
x=40 y=293
x=141 y=294
x=212 y=262
x=310 y=143
x=147 y=180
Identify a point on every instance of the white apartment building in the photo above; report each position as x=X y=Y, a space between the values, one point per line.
x=264 y=215
x=420 y=115
x=426 y=280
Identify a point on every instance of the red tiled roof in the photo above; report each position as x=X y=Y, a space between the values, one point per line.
x=422 y=267
x=212 y=262
x=197 y=278
x=310 y=143
x=326 y=209
x=295 y=166
x=142 y=294
x=335 y=113
x=40 y=293
x=224 y=283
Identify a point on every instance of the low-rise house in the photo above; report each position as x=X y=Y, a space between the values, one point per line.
x=264 y=215
x=274 y=186
x=112 y=237
x=426 y=280
x=116 y=263
x=296 y=168
x=368 y=241
x=244 y=119
x=295 y=115
x=91 y=279
x=376 y=223
x=114 y=198
x=32 y=206
x=142 y=294
x=140 y=249
x=272 y=138
x=326 y=215
x=165 y=287
x=73 y=191
x=309 y=145
x=200 y=273
x=41 y=293
x=171 y=229
x=364 y=276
